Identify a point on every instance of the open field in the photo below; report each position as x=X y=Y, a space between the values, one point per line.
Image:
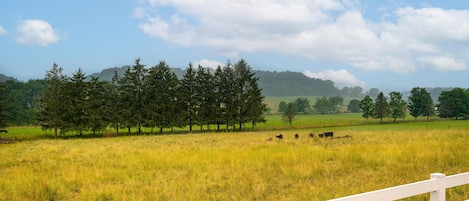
x=234 y=166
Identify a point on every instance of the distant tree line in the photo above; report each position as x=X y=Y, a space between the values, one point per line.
x=323 y=105
x=229 y=98
x=451 y=104
x=17 y=101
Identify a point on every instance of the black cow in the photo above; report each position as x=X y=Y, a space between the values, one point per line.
x=321 y=135
x=329 y=134
x=297 y=136
x=279 y=136
x=3 y=131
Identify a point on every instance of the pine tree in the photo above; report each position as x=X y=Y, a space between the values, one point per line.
x=256 y=107
x=381 y=107
x=98 y=105
x=161 y=88
x=132 y=96
x=228 y=102
x=115 y=103
x=220 y=108
x=51 y=107
x=188 y=92
x=205 y=97
x=76 y=97
x=248 y=95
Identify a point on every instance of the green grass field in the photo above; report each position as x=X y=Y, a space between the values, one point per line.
x=235 y=166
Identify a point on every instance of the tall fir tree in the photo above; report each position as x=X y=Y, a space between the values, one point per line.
x=76 y=97
x=161 y=89
x=188 y=93
x=381 y=107
x=227 y=90
x=205 y=97
x=219 y=97
x=98 y=105
x=51 y=107
x=116 y=103
x=132 y=96
x=256 y=106
x=247 y=91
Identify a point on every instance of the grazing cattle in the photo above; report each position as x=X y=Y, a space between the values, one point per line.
x=321 y=135
x=329 y=134
x=311 y=134
x=279 y=136
x=3 y=131
x=297 y=136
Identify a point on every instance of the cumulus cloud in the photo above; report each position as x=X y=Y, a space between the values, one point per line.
x=2 y=30
x=36 y=32
x=341 y=78
x=407 y=40
x=208 y=63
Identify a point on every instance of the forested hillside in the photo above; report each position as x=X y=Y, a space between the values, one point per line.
x=4 y=78
x=272 y=83
x=294 y=84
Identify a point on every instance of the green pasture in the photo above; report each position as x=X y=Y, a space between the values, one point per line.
x=235 y=165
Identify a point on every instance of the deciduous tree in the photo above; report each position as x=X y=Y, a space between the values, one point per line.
x=453 y=104
x=420 y=103
x=397 y=106
x=367 y=106
x=289 y=114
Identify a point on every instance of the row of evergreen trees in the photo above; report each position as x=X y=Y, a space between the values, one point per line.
x=451 y=104
x=152 y=97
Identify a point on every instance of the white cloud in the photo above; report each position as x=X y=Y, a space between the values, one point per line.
x=36 y=32
x=208 y=63
x=139 y=13
x=2 y=30
x=341 y=78
x=443 y=63
x=320 y=30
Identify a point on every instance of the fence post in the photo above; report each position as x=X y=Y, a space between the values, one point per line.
x=440 y=193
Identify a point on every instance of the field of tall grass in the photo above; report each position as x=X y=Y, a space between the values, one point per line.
x=234 y=166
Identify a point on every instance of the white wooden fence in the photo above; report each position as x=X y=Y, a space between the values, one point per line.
x=436 y=186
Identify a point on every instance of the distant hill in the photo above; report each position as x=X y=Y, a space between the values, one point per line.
x=108 y=73
x=272 y=83
x=4 y=78
x=294 y=84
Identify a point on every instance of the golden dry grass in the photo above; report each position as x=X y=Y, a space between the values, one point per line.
x=234 y=166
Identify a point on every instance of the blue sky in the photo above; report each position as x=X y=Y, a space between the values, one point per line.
x=389 y=44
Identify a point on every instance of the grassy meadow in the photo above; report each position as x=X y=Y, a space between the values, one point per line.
x=235 y=166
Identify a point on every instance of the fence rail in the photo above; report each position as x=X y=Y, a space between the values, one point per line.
x=436 y=186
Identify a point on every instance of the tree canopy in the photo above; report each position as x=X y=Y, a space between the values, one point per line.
x=420 y=103
x=152 y=97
